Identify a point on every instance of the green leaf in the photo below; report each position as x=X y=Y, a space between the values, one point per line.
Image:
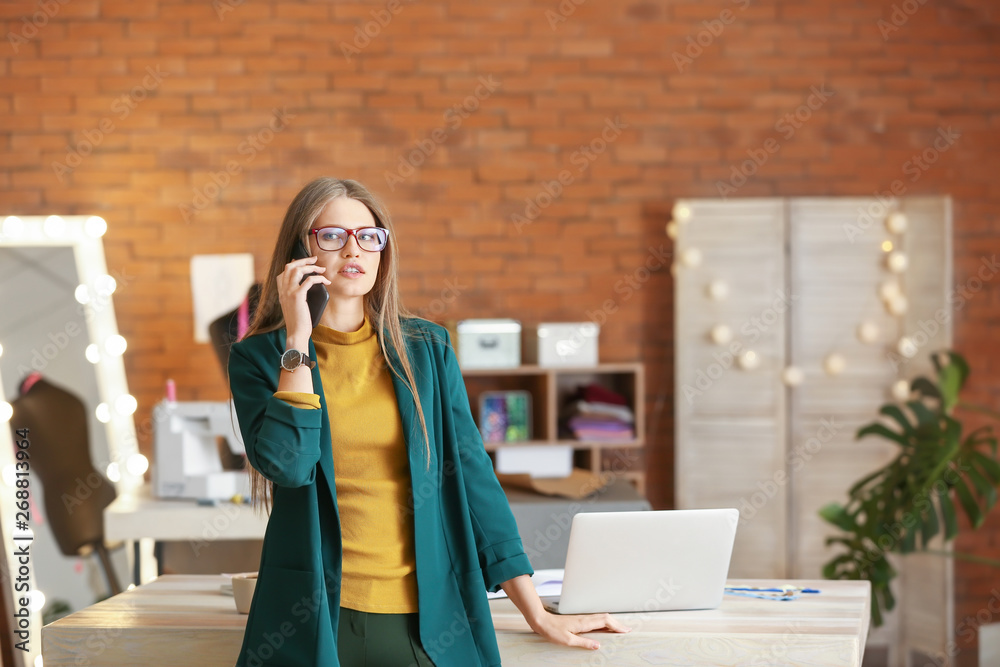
x=985 y=490
x=959 y=362
x=929 y=526
x=880 y=429
x=989 y=465
x=898 y=416
x=909 y=541
x=836 y=514
x=924 y=387
x=968 y=502
x=948 y=514
x=950 y=377
x=924 y=416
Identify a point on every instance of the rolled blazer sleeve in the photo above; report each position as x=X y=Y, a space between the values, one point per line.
x=501 y=553
x=282 y=441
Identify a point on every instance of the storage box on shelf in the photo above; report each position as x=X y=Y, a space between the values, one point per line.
x=550 y=389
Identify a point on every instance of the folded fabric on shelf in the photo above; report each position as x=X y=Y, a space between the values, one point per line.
x=595 y=393
x=624 y=413
x=591 y=435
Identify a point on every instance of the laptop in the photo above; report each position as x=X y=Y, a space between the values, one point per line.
x=646 y=561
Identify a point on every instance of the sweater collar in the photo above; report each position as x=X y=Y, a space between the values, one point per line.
x=323 y=334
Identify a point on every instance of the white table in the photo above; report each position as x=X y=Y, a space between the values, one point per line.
x=141 y=517
x=184 y=620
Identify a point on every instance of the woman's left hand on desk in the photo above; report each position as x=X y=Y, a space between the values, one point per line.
x=565 y=630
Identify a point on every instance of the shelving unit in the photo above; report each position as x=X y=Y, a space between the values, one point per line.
x=549 y=389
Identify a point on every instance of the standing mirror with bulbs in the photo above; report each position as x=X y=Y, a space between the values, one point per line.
x=63 y=379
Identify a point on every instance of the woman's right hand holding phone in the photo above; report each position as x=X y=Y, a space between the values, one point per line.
x=292 y=297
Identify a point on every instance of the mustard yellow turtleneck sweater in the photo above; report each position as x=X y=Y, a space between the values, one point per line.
x=371 y=469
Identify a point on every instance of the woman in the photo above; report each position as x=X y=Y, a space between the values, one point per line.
x=387 y=562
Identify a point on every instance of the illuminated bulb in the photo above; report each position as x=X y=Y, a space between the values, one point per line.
x=906 y=347
x=691 y=257
x=103 y=413
x=54 y=226
x=886 y=246
x=792 y=376
x=81 y=294
x=868 y=332
x=37 y=600
x=130 y=587
x=749 y=360
x=1 y=350
x=113 y=474
x=901 y=390
x=115 y=345
x=13 y=226
x=137 y=464
x=834 y=364
x=95 y=227
x=105 y=284
x=718 y=290
x=6 y=411
x=898 y=305
x=38 y=662
x=9 y=474
x=721 y=334
x=888 y=289
x=93 y=353
x=896 y=222
x=897 y=262
x=682 y=213
x=672 y=230
x=126 y=404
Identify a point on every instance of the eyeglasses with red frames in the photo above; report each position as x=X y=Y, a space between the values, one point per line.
x=371 y=239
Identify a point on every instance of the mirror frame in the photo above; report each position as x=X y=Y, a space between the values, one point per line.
x=83 y=234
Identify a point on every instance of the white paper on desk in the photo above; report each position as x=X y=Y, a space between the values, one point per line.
x=547 y=582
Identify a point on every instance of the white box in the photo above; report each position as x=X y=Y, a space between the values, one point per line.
x=535 y=460
x=563 y=344
x=489 y=343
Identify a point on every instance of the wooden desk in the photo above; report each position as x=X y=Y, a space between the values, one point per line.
x=183 y=620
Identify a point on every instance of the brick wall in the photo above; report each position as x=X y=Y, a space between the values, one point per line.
x=584 y=118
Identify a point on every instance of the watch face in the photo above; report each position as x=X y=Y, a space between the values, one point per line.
x=291 y=360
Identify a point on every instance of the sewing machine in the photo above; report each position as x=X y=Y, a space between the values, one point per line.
x=187 y=450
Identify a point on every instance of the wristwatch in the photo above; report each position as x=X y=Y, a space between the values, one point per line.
x=292 y=359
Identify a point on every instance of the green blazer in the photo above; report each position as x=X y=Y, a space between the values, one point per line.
x=466 y=539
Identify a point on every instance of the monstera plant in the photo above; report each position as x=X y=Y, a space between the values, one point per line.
x=937 y=470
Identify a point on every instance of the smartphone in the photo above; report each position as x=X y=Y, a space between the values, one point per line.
x=317 y=296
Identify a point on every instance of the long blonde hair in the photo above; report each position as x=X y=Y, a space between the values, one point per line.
x=382 y=304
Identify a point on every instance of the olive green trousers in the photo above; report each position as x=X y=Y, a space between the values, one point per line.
x=380 y=640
